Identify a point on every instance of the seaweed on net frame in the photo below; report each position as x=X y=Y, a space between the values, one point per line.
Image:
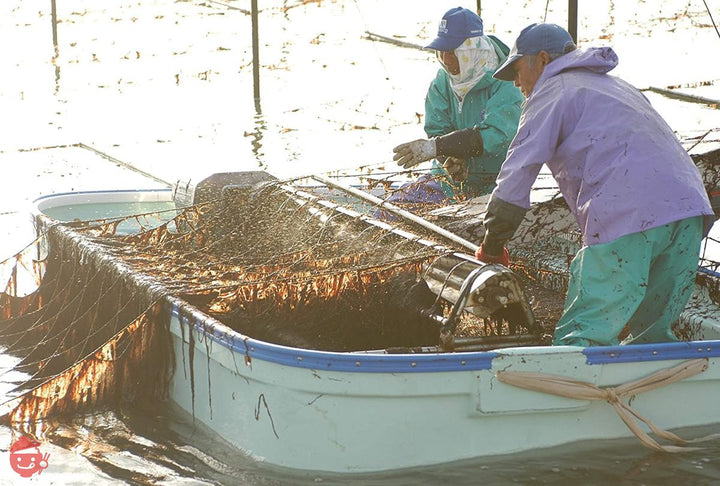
x=276 y=264
x=95 y=330
x=292 y=271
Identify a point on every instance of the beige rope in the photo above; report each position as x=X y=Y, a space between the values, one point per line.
x=565 y=387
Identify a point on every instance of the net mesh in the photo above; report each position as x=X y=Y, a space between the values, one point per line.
x=84 y=314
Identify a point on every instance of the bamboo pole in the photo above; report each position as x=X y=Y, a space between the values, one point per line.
x=377 y=37
x=398 y=212
x=685 y=97
x=255 y=51
x=572 y=19
x=53 y=16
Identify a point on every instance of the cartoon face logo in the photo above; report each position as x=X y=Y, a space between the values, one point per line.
x=26 y=458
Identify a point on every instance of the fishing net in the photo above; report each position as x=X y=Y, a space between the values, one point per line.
x=83 y=337
x=85 y=313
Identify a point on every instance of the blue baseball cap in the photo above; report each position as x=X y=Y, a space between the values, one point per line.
x=456 y=25
x=534 y=38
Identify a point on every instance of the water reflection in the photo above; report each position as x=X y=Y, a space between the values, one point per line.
x=259 y=128
x=164 y=445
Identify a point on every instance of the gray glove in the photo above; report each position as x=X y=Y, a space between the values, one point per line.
x=412 y=153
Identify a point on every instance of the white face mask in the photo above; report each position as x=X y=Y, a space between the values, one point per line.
x=476 y=57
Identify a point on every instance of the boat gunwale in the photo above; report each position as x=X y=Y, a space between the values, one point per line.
x=252 y=348
x=64 y=198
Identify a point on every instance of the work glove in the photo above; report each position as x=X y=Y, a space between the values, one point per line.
x=456 y=168
x=503 y=259
x=412 y=153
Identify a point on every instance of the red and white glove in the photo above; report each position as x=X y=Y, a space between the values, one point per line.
x=503 y=259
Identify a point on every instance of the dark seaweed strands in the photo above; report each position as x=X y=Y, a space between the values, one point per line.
x=82 y=338
x=325 y=275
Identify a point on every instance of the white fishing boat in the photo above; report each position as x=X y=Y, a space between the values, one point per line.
x=388 y=400
x=134 y=292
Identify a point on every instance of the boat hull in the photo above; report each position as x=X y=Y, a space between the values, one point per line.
x=346 y=412
x=369 y=411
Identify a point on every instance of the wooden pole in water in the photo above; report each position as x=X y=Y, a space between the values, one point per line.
x=479 y=8
x=572 y=19
x=53 y=16
x=256 y=53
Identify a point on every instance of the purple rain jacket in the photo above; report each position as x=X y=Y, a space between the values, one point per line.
x=619 y=166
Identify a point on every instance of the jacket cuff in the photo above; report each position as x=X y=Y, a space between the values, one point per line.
x=461 y=144
x=501 y=221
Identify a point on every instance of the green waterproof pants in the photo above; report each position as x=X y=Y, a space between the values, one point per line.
x=642 y=280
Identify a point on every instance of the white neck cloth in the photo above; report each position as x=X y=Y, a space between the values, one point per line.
x=477 y=57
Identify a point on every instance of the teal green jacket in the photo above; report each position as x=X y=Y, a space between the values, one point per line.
x=493 y=106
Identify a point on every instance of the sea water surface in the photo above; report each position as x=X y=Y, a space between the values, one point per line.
x=124 y=94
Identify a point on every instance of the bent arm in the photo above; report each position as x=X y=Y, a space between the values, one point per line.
x=537 y=137
x=501 y=221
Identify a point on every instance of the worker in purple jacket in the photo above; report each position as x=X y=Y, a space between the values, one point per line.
x=635 y=192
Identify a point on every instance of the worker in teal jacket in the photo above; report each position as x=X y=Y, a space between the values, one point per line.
x=470 y=117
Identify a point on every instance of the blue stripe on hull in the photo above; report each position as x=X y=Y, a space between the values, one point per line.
x=652 y=352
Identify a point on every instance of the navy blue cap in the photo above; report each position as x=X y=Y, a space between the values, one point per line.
x=456 y=25
x=534 y=38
